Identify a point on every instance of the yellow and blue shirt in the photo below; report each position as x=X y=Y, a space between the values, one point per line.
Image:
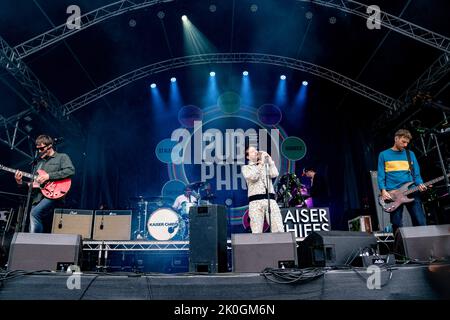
x=393 y=169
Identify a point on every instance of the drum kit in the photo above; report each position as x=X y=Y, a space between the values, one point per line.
x=291 y=192
x=155 y=219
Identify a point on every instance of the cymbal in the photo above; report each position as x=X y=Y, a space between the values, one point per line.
x=151 y=199
x=196 y=185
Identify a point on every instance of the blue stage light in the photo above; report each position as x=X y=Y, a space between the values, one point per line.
x=153 y=85
x=283 y=77
x=173 y=79
x=212 y=74
x=305 y=83
x=245 y=73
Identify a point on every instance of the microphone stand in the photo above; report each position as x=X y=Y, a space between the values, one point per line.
x=30 y=189
x=441 y=161
x=266 y=166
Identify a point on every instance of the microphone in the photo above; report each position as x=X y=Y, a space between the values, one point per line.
x=60 y=224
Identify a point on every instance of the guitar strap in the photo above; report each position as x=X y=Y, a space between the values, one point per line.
x=411 y=168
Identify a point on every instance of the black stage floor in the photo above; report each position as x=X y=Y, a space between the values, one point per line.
x=405 y=282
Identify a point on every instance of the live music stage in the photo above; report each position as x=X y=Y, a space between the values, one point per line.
x=400 y=283
x=224 y=149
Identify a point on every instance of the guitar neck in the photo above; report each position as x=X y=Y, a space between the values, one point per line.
x=27 y=175
x=412 y=190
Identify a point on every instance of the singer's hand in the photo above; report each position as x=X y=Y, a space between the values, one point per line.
x=265 y=155
x=18 y=176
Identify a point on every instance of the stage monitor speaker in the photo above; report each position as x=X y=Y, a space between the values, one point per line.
x=334 y=248
x=112 y=225
x=73 y=221
x=423 y=242
x=44 y=251
x=253 y=252
x=208 y=239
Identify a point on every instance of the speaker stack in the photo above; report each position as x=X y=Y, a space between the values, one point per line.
x=208 y=239
x=253 y=252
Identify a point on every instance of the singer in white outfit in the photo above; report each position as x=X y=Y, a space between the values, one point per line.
x=255 y=176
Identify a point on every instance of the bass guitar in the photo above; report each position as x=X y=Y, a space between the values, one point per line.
x=400 y=196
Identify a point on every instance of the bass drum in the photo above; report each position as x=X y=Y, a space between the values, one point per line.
x=165 y=224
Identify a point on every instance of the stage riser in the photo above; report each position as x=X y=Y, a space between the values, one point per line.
x=416 y=282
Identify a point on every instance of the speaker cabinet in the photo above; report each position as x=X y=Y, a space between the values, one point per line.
x=208 y=239
x=253 y=252
x=112 y=225
x=423 y=242
x=334 y=248
x=73 y=221
x=44 y=251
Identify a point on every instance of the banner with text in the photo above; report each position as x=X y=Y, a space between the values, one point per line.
x=303 y=221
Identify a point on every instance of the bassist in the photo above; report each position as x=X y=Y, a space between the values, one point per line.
x=56 y=166
x=397 y=166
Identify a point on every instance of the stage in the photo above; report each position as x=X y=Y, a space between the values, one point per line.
x=401 y=282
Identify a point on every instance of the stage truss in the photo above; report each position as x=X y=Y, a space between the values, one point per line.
x=219 y=58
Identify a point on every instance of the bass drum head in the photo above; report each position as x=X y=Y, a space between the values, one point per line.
x=164 y=224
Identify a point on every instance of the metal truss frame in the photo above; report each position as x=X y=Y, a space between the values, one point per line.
x=117 y=8
x=389 y=21
x=135 y=245
x=89 y=19
x=439 y=69
x=16 y=138
x=9 y=59
x=218 y=58
x=384 y=236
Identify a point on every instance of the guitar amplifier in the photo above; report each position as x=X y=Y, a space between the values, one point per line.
x=361 y=223
x=112 y=225
x=73 y=221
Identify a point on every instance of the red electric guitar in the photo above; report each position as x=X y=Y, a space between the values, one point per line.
x=52 y=189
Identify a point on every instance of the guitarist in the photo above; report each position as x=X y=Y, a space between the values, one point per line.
x=57 y=166
x=397 y=166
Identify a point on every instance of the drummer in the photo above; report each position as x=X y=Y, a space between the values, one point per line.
x=187 y=198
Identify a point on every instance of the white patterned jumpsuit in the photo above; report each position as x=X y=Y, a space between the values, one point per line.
x=255 y=176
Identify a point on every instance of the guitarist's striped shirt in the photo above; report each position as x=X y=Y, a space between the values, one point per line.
x=393 y=169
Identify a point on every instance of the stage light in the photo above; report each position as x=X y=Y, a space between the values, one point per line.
x=195 y=42
x=175 y=100
x=153 y=85
x=302 y=95
x=212 y=91
x=161 y=14
x=281 y=92
x=246 y=91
